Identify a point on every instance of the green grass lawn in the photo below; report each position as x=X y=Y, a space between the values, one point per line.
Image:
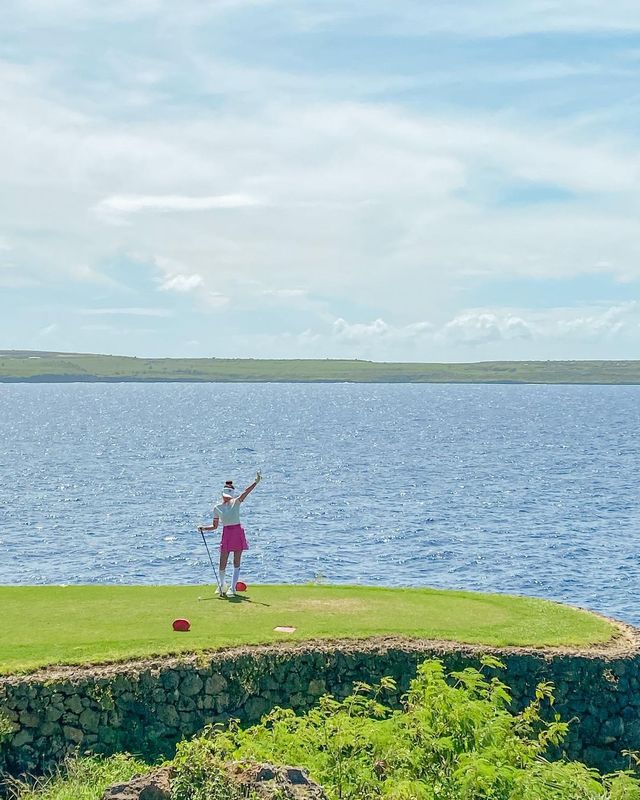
x=44 y=625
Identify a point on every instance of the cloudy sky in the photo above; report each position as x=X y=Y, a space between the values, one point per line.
x=457 y=180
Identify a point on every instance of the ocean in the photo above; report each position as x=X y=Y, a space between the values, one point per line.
x=522 y=489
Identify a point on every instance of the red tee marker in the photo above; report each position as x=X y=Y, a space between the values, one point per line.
x=241 y=586
x=181 y=624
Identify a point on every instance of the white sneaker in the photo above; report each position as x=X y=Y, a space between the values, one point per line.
x=221 y=592
x=230 y=593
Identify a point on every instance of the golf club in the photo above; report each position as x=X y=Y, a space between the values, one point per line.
x=215 y=571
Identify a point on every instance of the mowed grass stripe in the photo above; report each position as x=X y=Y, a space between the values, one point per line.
x=47 y=625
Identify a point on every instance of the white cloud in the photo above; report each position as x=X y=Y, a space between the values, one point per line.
x=132 y=312
x=181 y=283
x=309 y=338
x=601 y=322
x=132 y=204
x=323 y=179
x=469 y=328
x=468 y=18
x=67 y=12
x=548 y=335
x=356 y=331
x=492 y=18
x=480 y=327
x=357 y=193
x=416 y=329
x=213 y=300
x=285 y=293
x=379 y=329
x=177 y=280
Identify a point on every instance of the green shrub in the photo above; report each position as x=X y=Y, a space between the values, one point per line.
x=80 y=779
x=455 y=739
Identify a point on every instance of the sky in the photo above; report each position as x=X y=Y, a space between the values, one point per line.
x=457 y=180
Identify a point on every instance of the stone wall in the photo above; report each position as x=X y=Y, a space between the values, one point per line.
x=146 y=707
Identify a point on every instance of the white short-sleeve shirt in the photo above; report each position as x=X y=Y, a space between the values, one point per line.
x=228 y=513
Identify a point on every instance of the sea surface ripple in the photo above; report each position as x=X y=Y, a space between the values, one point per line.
x=520 y=489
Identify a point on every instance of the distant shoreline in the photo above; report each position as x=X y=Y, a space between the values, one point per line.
x=44 y=379
x=48 y=367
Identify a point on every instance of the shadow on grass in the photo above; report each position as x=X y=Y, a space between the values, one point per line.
x=235 y=600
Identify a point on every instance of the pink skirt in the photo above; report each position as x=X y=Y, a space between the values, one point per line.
x=233 y=539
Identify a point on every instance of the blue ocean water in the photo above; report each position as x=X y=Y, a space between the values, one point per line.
x=522 y=489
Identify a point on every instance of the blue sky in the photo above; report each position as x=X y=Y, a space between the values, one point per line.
x=443 y=181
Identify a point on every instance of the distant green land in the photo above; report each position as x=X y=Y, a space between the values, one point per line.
x=43 y=367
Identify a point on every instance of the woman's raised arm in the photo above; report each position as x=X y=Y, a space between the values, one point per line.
x=249 y=489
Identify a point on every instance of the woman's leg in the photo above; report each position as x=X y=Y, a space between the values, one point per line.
x=237 y=558
x=224 y=557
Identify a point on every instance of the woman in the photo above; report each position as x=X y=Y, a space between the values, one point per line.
x=233 y=538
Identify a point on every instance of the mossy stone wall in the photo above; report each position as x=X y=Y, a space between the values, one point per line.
x=147 y=707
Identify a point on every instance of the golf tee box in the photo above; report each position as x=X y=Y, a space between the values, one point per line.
x=181 y=625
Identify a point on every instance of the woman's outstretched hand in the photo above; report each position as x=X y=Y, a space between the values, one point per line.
x=258 y=476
